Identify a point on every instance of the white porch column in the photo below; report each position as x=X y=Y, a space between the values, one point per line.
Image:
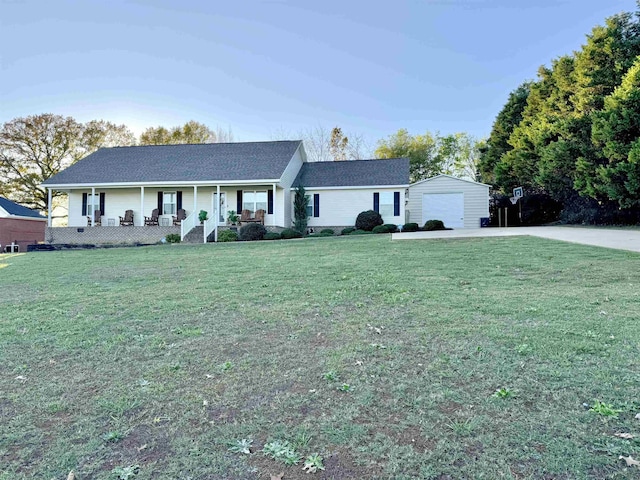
x=215 y=232
x=142 y=206
x=50 y=207
x=274 y=205
x=195 y=200
x=92 y=215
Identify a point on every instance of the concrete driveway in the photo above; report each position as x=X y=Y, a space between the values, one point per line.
x=621 y=239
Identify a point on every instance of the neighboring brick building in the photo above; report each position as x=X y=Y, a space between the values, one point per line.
x=20 y=225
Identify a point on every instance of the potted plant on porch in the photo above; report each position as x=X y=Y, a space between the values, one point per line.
x=202 y=216
x=232 y=217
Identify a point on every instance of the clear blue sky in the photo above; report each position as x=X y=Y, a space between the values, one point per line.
x=258 y=67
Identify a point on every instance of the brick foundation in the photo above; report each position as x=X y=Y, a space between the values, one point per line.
x=107 y=235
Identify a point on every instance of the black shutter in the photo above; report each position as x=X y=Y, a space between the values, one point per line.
x=316 y=204
x=396 y=204
x=376 y=202
x=178 y=200
x=269 y=202
x=84 y=204
x=160 y=206
x=239 y=202
x=102 y=195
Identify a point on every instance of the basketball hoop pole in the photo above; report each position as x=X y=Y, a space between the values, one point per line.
x=520 y=211
x=518 y=193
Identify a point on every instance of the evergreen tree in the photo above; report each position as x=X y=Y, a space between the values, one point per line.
x=498 y=142
x=300 y=204
x=616 y=130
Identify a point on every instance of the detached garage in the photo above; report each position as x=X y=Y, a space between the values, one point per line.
x=459 y=203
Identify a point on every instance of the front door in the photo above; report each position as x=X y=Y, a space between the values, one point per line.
x=222 y=217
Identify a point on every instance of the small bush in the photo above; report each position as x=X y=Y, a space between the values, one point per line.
x=202 y=216
x=431 y=225
x=380 y=229
x=288 y=233
x=360 y=232
x=347 y=231
x=272 y=236
x=173 y=238
x=252 y=231
x=367 y=220
x=391 y=228
x=327 y=232
x=227 y=236
x=410 y=227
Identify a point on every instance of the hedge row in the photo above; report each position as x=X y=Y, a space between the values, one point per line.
x=368 y=222
x=430 y=225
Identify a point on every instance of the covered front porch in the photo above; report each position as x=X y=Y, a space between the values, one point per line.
x=104 y=207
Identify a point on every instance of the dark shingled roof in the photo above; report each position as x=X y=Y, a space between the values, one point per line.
x=13 y=208
x=354 y=173
x=181 y=163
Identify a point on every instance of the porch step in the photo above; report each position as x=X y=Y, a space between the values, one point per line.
x=194 y=235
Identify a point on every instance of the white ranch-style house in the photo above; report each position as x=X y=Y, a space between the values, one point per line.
x=217 y=178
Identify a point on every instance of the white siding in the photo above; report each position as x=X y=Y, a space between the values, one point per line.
x=268 y=219
x=284 y=202
x=115 y=204
x=118 y=200
x=476 y=198
x=280 y=204
x=340 y=207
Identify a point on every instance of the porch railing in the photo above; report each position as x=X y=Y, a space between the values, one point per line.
x=211 y=225
x=187 y=225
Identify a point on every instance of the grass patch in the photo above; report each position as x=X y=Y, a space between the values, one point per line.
x=368 y=358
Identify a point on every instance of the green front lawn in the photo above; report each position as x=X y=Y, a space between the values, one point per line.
x=415 y=359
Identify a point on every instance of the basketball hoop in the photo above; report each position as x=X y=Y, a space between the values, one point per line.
x=514 y=200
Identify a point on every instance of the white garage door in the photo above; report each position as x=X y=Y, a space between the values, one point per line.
x=448 y=207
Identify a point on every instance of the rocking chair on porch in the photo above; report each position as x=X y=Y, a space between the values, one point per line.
x=153 y=219
x=177 y=219
x=127 y=220
x=247 y=218
x=97 y=219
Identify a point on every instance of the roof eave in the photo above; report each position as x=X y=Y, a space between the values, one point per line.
x=23 y=217
x=451 y=176
x=352 y=187
x=212 y=183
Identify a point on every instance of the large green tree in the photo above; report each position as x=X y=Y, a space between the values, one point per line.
x=556 y=136
x=431 y=154
x=498 y=142
x=34 y=148
x=421 y=150
x=460 y=155
x=616 y=131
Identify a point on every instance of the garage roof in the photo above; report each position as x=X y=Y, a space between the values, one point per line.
x=451 y=176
